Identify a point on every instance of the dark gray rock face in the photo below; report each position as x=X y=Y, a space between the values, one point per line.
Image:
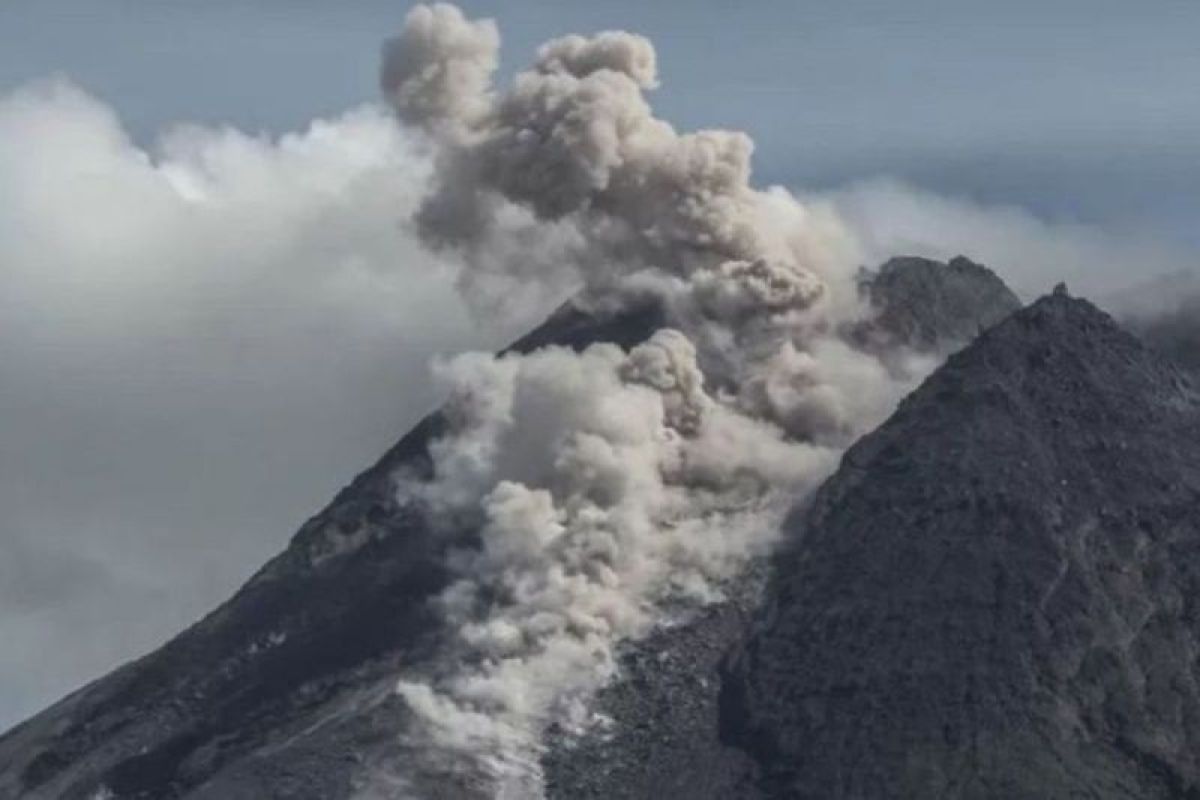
x=665 y=739
x=926 y=304
x=996 y=595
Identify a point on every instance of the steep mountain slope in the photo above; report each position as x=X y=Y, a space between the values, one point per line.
x=993 y=597
x=287 y=689
x=321 y=630
x=996 y=595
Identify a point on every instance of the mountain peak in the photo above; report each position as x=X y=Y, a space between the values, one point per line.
x=991 y=597
x=986 y=600
x=930 y=305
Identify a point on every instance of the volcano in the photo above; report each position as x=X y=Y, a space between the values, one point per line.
x=992 y=597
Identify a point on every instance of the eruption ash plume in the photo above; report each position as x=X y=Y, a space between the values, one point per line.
x=609 y=486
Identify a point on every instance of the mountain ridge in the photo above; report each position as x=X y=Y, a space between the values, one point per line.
x=1082 y=454
x=287 y=690
x=990 y=598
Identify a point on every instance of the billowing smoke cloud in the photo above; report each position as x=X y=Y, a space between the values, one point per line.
x=437 y=73
x=573 y=150
x=610 y=487
x=201 y=339
x=604 y=484
x=199 y=342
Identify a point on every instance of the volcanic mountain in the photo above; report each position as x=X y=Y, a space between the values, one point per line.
x=994 y=596
x=990 y=598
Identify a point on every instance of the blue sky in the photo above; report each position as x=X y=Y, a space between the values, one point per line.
x=1075 y=109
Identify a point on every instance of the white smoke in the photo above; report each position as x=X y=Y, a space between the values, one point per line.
x=608 y=486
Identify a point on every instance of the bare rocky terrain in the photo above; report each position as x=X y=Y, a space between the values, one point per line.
x=992 y=597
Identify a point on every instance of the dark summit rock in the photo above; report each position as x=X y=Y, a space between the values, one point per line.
x=929 y=305
x=996 y=595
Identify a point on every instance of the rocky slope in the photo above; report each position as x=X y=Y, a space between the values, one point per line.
x=286 y=690
x=994 y=597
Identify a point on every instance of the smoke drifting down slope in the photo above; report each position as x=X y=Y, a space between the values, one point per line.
x=612 y=491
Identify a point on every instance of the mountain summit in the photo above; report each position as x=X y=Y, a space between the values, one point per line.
x=925 y=304
x=990 y=598
x=994 y=597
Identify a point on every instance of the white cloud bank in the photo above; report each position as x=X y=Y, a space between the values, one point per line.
x=198 y=344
